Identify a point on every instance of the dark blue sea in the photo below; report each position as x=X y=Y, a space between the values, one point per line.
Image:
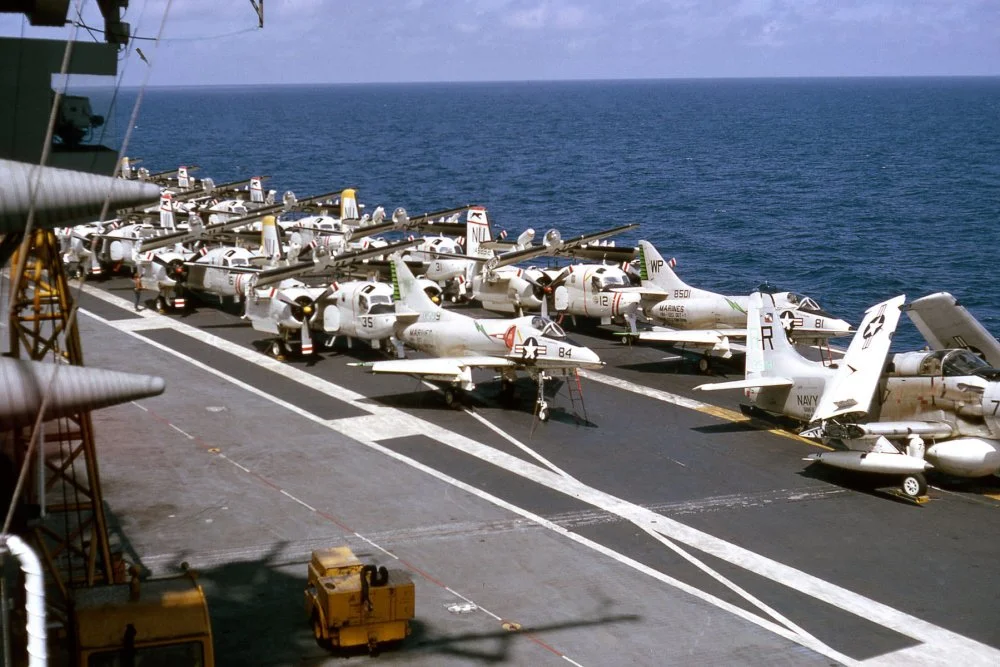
x=849 y=190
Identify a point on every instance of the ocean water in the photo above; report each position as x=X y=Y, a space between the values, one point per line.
x=849 y=190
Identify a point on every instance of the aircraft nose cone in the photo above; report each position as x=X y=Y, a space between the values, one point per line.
x=587 y=358
x=841 y=325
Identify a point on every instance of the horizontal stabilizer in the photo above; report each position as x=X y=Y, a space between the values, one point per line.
x=754 y=383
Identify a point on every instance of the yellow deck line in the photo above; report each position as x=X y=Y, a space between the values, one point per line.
x=692 y=404
x=739 y=417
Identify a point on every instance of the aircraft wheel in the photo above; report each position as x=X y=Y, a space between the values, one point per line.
x=161 y=304
x=277 y=349
x=703 y=365
x=451 y=398
x=543 y=411
x=914 y=486
x=321 y=641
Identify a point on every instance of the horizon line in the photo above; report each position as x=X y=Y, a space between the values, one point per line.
x=285 y=84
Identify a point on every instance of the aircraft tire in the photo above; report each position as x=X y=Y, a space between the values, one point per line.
x=451 y=398
x=277 y=349
x=914 y=486
x=321 y=641
x=704 y=365
x=161 y=304
x=543 y=411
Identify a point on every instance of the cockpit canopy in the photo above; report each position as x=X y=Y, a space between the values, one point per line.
x=947 y=363
x=548 y=328
x=608 y=278
x=806 y=304
x=952 y=363
x=372 y=303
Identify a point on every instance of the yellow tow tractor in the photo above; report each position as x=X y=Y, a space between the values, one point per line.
x=352 y=603
x=157 y=622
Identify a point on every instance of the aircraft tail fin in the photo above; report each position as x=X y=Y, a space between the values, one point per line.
x=167 y=211
x=269 y=241
x=655 y=269
x=256 y=190
x=406 y=289
x=349 y=204
x=477 y=231
x=766 y=339
x=183 y=180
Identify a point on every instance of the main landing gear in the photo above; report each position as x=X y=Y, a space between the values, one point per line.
x=278 y=349
x=507 y=389
x=452 y=397
x=914 y=486
x=541 y=405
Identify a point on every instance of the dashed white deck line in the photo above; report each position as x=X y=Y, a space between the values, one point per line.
x=945 y=642
x=298 y=500
x=377 y=546
x=235 y=463
x=182 y=432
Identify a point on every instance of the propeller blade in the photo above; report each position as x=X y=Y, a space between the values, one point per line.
x=282 y=297
x=307 y=346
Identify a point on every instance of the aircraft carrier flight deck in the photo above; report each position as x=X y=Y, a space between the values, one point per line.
x=646 y=526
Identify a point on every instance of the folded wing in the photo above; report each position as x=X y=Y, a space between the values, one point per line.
x=852 y=387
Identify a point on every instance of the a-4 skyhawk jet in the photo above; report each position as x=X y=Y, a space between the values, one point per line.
x=689 y=317
x=928 y=410
x=460 y=343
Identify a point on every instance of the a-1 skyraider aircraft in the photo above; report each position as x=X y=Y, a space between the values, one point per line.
x=460 y=343
x=688 y=317
x=929 y=410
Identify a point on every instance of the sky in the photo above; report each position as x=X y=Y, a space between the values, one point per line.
x=370 y=41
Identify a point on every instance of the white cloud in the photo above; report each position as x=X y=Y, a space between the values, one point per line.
x=549 y=16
